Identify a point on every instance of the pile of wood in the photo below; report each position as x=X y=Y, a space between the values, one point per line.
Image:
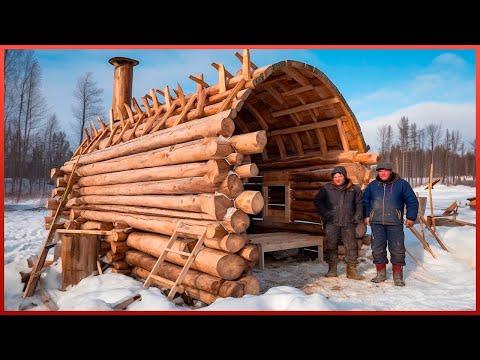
x=189 y=173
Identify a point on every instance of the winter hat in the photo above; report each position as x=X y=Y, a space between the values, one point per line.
x=384 y=166
x=341 y=170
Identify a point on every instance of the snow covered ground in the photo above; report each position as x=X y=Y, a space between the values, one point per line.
x=448 y=283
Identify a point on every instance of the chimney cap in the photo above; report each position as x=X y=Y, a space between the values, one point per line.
x=122 y=60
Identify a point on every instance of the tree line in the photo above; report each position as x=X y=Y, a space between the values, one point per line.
x=34 y=141
x=412 y=150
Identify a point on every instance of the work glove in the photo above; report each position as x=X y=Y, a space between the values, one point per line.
x=409 y=223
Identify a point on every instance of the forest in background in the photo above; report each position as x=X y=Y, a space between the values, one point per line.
x=34 y=141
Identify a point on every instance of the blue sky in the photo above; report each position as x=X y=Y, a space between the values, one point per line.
x=380 y=86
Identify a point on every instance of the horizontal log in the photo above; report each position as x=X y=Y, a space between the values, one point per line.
x=250 y=252
x=216 y=205
x=121 y=271
x=250 y=284
x=193 y=151
x=250 y=143
x=230 y=243
x=201 y=295
x=57 y=192
x=246 y=171
x=232 y=186
x=307 y=184
x=367 y=158
x=116 y=236
x=291 y=226
x=303 y=205
x=56 y=173
x=303 y=194
x=111 y=257
x=96 y=225
x=231 y=289
x=305 y=216
x=121 y=265
x=332 y=157
x=60 y=182
x=211 y=126
x=251 y=202
x=155 y=224
x=236 y=221
x=193 y=278
x=235 y=158
x=141 y=210
x=210 y=261
x=215 y=170
x=119 y=246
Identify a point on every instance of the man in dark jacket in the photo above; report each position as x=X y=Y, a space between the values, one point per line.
x=340 y=206
x=384 y=201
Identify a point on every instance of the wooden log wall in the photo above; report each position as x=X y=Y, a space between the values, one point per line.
x=192 y=173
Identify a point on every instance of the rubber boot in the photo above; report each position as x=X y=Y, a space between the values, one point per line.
x=398 y=275
x=352 y=272
x=381 y=273
x=332 y=270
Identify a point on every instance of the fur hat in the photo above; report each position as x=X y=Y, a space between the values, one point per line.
x=339 y=170
x=384 y=166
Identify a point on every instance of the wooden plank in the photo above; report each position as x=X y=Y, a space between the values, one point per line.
x=199 y=81
x=343 y=136
x=298 y=144
x=306 y=127
x=322 y=141
x=275 y=94
x=281 y=147
x=316 y=104
x=156 y=105
x=296 y=75
x=261 y=120
x=298 y=90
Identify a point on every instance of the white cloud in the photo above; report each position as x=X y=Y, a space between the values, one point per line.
x=449 y=59
x=459 y=117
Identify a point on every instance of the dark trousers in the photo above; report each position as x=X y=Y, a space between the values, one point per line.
x=332 y=235
x=391 y=236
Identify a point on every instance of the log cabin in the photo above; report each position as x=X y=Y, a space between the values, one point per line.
x=242 y=158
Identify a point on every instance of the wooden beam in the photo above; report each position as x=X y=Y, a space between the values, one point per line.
x=136 y=107
x=343 y=136
x=85 y=232
x=180 y=95
x=217 y=66
x=322 y=141
x=226 y=103
x=112 y=133
x=132 y=133
x=166 y=116
x=110 y=113
x=246 y=65
x=316 y=104
x=261 y=120
x=156 y=105
x=185 y=110
x=306 y=127
x=275 y=94
x=240 y=57
x=145 y=105
x=168 y=98
x=281 y=147
x=201 y=99
x=198 y=81
x=129 y=112
x=296 y=75
x=298 y=90
x=298 y=143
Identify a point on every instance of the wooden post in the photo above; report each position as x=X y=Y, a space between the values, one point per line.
x=79 y=258
x=122 y=85
x=430 y=196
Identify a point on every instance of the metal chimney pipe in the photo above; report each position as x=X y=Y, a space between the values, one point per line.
x=122 y=84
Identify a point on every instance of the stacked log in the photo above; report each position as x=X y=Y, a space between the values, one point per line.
x=191 y=173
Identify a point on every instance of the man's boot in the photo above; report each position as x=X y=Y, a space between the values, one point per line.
x=352 y=272
x=398 y=275
x=381 y=273
x=332 y=269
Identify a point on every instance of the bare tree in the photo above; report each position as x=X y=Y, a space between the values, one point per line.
x=433 y=136
x=89 y=101
x=403 y=134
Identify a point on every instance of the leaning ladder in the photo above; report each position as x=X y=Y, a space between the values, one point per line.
x=49 y=243
x=183 y=229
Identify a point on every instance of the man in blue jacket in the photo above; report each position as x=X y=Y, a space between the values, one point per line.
x=384 y=200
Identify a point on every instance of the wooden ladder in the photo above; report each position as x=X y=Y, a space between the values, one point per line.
x=183 y=229
x=49 y=243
